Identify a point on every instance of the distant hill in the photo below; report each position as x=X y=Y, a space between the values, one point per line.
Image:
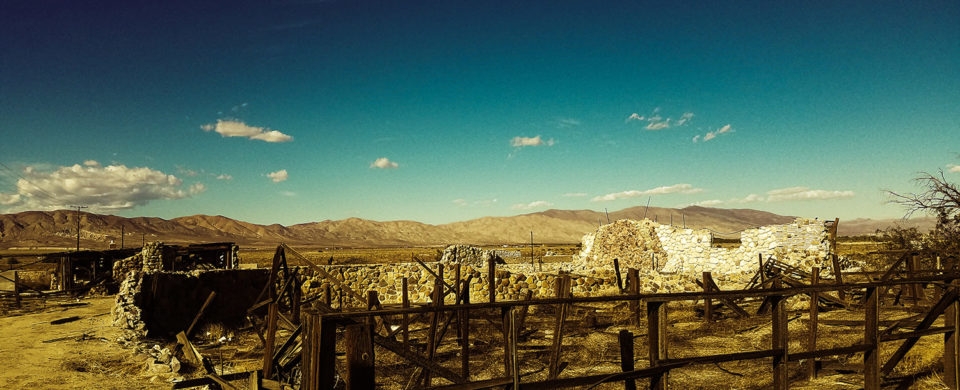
x=59 y=228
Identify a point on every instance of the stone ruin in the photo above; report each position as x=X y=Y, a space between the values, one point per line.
x=670 y=259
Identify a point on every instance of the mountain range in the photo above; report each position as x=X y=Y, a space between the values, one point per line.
x=59 y=228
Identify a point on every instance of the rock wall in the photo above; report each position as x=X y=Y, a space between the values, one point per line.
x=670 y=259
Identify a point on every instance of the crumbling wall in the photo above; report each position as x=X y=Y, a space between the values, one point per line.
x=669 y=259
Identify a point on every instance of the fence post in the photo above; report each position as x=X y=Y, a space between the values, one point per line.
x=814 y=314
x=514 y=359
x=951 y=343
x=270 y=336
x=562 y=290
x=405 y=302
x=707 y=302
x=633 y=280
x=871 y=337
x=360 y=360
x=616 y=269
x=779 y=338
x=16 y=287
x=438 y=296
x=656 y=340
x=465 y=333
x=492 y=278
x=626 y=357
x=838 y=276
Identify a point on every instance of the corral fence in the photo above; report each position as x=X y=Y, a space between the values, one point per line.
x=361 y=330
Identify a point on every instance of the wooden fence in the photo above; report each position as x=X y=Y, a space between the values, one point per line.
x=362 y=330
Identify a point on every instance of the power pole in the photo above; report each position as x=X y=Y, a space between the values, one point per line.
x=531 y=247
x=121 y=236
x=78 y=225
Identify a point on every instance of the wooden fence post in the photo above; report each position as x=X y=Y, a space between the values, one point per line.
x=16 y=288
x=360 y=360
x=951 y=344
x=405 y=303
x=626 y=357
x=562 y=290
x=633 y=280
x=838 y=276
x=707 y=302
x=814 y=314
x=871 y=337
x=373 y=297
x=656 y=340
x=492 y=278
x=438 y=296
x=465 y=333
x=616 y=269
x=318 y=354
x=514 y=359
x=779 y=338
x=270 y=336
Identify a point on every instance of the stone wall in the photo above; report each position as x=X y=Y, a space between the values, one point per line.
x=670 y=259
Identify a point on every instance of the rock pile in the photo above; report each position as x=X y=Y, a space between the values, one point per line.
x=634 y=243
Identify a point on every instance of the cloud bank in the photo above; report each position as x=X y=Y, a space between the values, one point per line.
x=102 y=188
x=676 y=188
x=531 y=205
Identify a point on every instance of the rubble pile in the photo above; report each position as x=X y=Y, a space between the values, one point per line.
x=634 y=243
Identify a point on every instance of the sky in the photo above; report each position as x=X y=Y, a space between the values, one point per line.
x=439 y=111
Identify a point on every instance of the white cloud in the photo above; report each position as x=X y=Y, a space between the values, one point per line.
x=197 y=188
x=953 y=168
x=724 y=129
x=574 y=195
x=531 y=205
x=101 y=188
x=476 y=203
x=234 y=128
x=804 y=193
x=564 y=123
x=519 y=142
x=460 y=202
x=676 y=188
x=224 y=176
x=709 y=136
x=714 y=134
x=187 y=172
x=696 y=138
x=384 y=163
x=708 y=203
x=657 y=122
x=91 y=163
x=795 y=194
x=9 y=199
x=278 y=176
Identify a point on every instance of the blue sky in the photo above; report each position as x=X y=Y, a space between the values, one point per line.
x=301 y=111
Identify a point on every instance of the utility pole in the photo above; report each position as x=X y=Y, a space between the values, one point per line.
x=608 y=214
x=531 y=247
x=121 y=236
x=78 y=225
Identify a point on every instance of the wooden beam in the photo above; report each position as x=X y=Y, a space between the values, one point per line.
x=492 y=279
x=465 y=333
x=656 y=342
x=951 y=346
x=203 y=308
x=361 y=372
x=562 y=289
x=707 y=303
x=405 y=322
x=616 y=269
x=779 y=339
x=812 y=326
x=270 y=336
x=626 y=357
x=871 y=330
x=949 y=298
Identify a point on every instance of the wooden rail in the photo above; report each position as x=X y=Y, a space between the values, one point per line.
x=321 y=347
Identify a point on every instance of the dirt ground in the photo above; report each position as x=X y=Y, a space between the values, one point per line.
x=89 y=357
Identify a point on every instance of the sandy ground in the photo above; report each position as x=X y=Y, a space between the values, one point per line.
x=94 y=361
